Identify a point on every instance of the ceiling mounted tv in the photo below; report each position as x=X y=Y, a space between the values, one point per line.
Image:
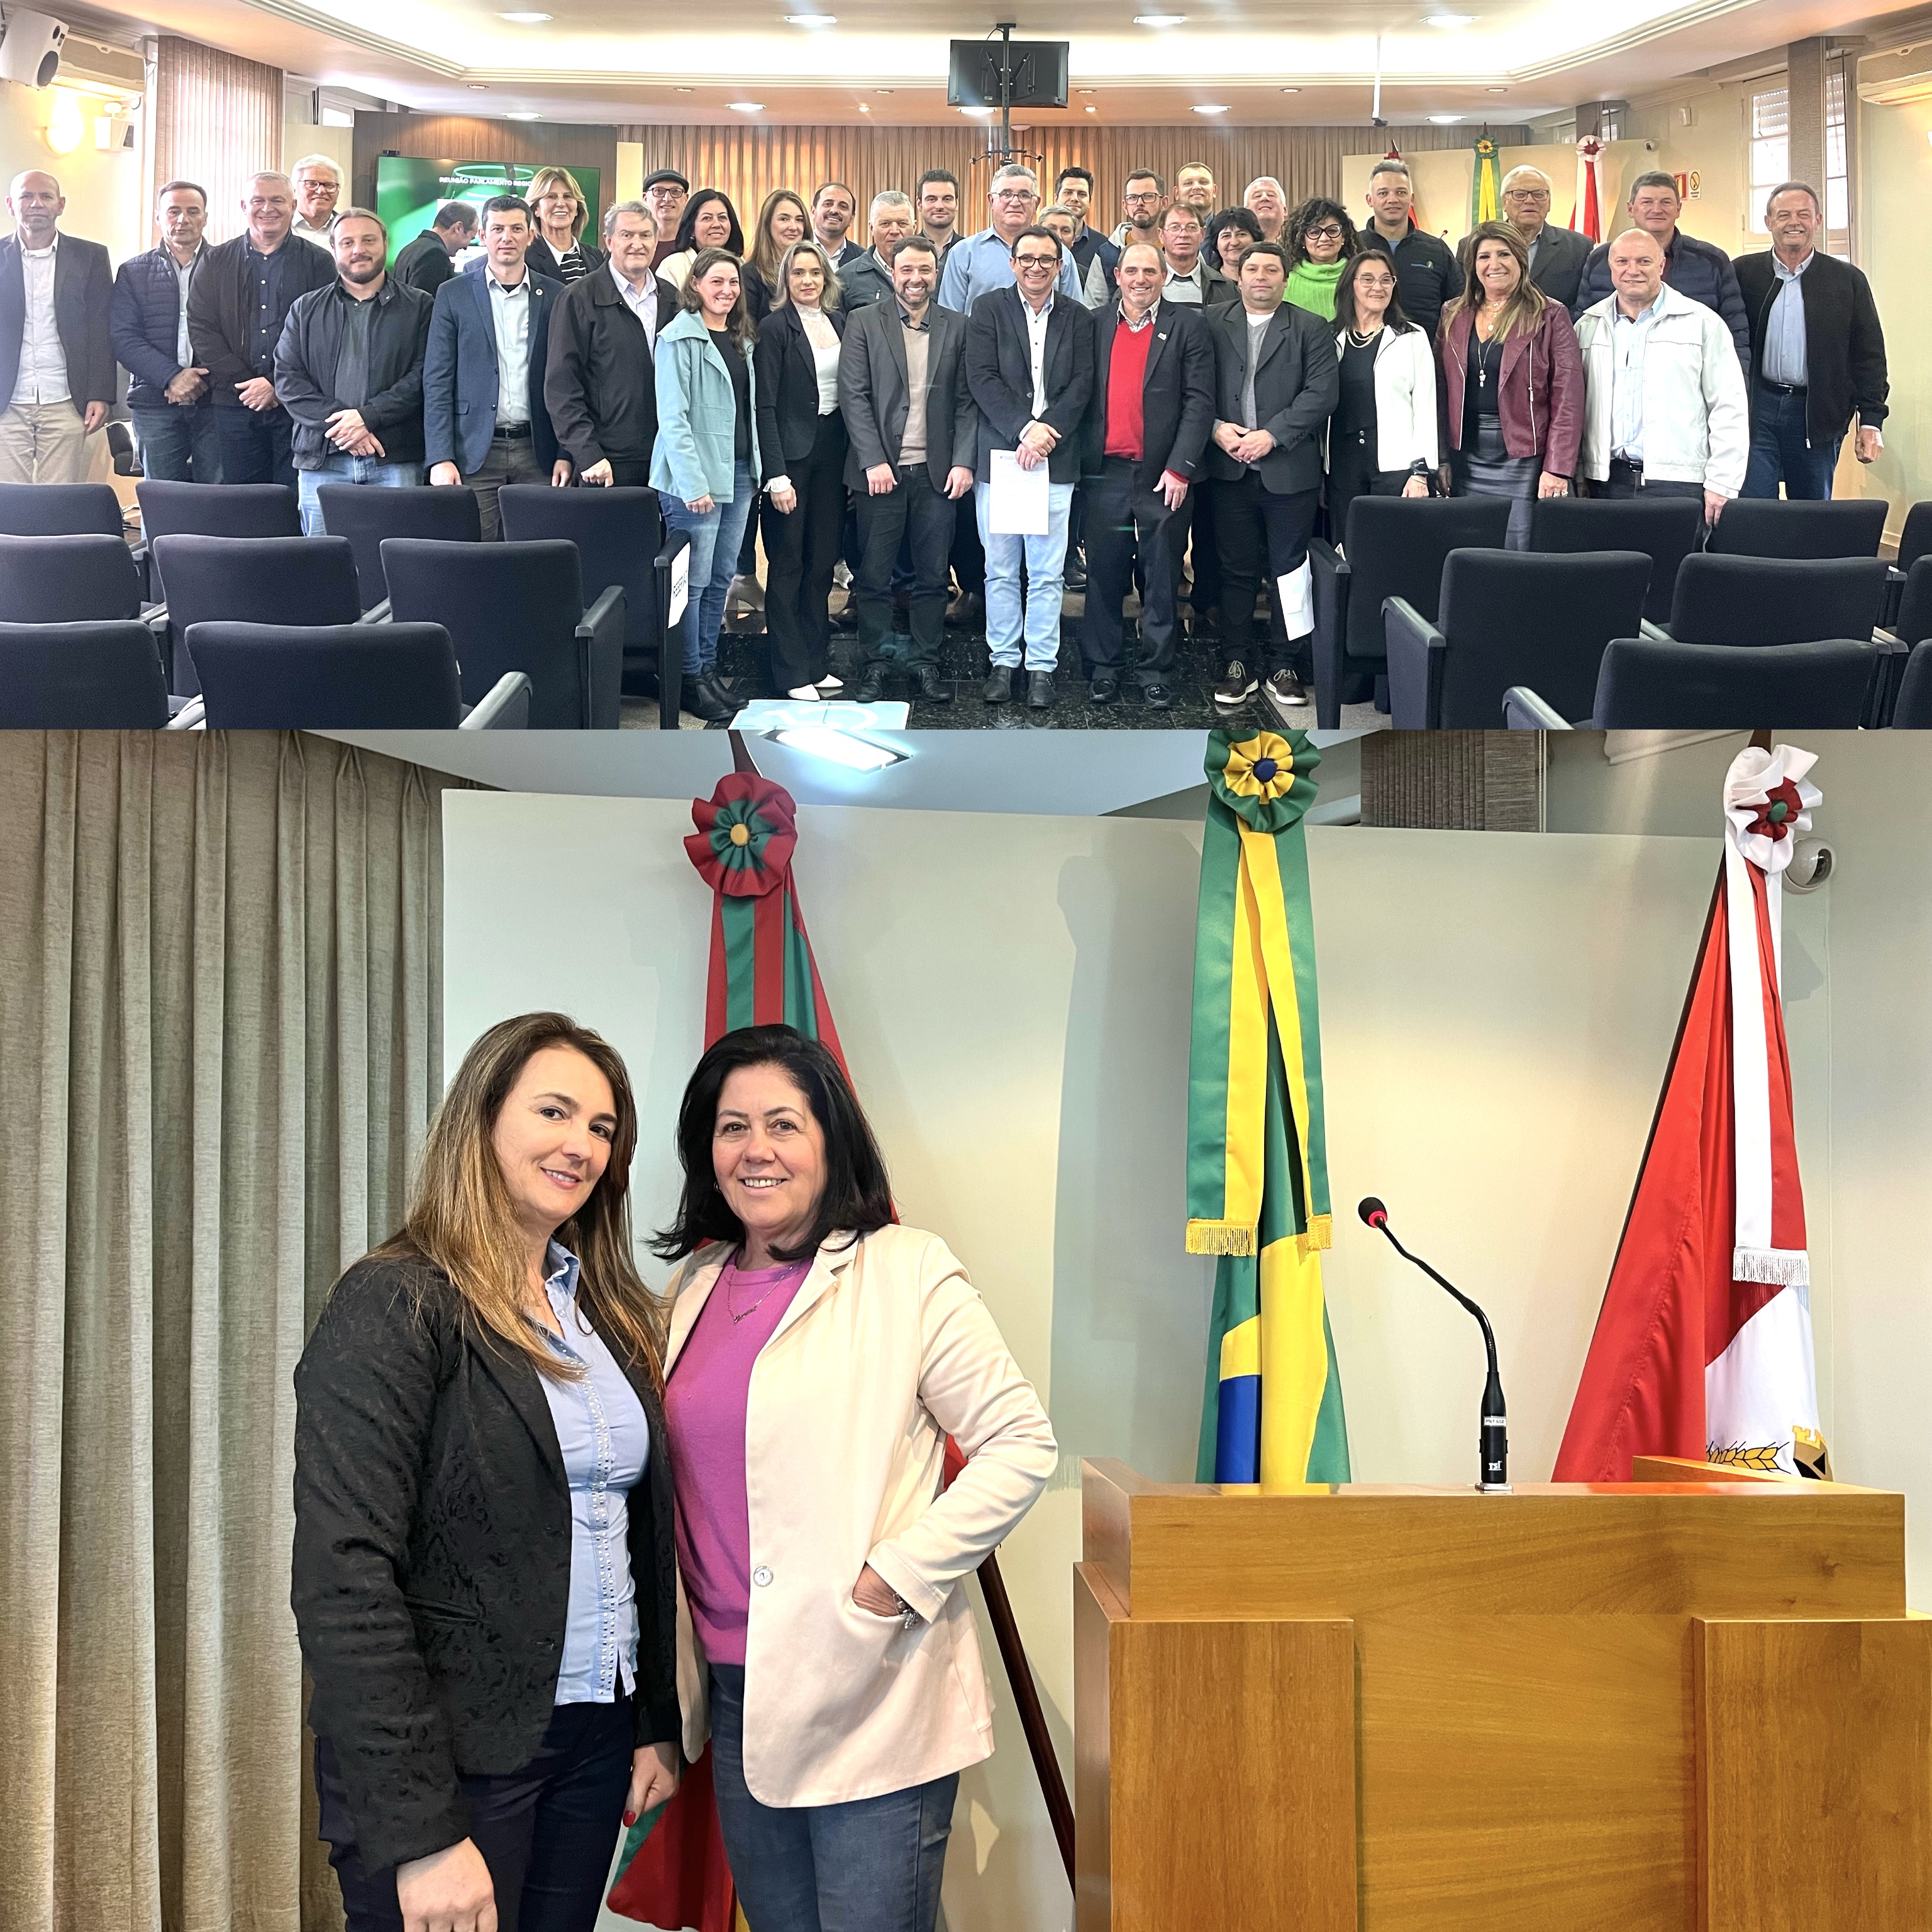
x=1036 y=72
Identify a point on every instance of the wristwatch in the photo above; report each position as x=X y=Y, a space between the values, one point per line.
x=909 y=1618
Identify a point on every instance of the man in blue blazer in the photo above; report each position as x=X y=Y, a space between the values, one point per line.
x=484 y=421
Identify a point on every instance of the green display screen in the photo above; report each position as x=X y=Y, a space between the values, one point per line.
x=408 y=190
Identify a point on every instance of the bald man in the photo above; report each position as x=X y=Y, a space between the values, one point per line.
x=56 y=353
x=1556 y=255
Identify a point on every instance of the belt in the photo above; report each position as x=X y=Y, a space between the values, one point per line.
x=509 y=432
x=1630 y=465
x=1784 y=388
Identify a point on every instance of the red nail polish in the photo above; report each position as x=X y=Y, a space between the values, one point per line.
x=630 y=1817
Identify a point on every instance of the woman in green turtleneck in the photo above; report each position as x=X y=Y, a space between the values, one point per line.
x=1320 y=240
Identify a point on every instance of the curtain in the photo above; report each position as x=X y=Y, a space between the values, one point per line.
x=221 y=1018
x=217 y=118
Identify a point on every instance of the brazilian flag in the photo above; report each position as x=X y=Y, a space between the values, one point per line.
x=1257 y=1162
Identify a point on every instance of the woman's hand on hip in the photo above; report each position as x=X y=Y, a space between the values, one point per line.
x=449 y=1891
x=654 y=1777
x=873 y=1593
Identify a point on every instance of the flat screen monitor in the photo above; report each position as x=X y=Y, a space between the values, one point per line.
x=1036 y=71
x=408 y=190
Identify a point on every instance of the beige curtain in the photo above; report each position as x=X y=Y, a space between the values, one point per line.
x=219 y=1026
x=217 y=117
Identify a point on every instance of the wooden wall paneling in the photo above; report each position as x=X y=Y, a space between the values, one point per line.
x=217 y=118
x=475 y=137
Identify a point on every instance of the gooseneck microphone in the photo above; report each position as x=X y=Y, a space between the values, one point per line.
x=1495 y=1437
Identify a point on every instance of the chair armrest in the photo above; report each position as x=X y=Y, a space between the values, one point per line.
x=600 y=640
x=1654 y=634
x=377 y=613
x=144 y=562
x=156 y=618
x=1888 y=674
x=505 y=706
x=193 y=716
x=1524 y=711
x=1331 y=581
x=1416 y=649
x=1895 y=590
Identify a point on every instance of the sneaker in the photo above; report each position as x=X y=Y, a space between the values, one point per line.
x=830 y=682
x=1285 y=691
x=1237 y=686
x=805 y=694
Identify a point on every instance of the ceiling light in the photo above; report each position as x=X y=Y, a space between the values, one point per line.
x=1086 y=90
x=865 y=107
x=1291 y=90
x=976 y=110
x=745 y=106
x=687 y=90
x=1212 y=107
x=1158 y=19
x=840 y=748
x=1499 y=90
x=526 y=20
x=1093 y=110
x=1443 y=120
x=813 y=20
x=523 y=117
x=477 y=87
x=882 y=90
x=1449 y=22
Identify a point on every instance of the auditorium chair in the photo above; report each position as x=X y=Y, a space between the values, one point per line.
x=68 y=581
x=516 y=607
x=306 y=580
x=1393 y=547
x=1761 y=600
x=1510 y=617
x=60 y=510
x=103 y=676
x=1912 y=622
x=299 y=677
x=1653 y=684
x=1912 y=710
x=1915 y=540
x=210 y=510
x=1666 y=529
x=1773 y=527
x=617 y=533
x=365 y=516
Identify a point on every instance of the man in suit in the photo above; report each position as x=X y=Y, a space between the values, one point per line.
x=833 y=209
x=237 y=304
x=56 y=356
x=484 y=420
x=1153 y=406
x=600 y=382
x=913 y=429
x=1030 y=365
x=1190 y=277
x=1276 y=386
x=868 y=277
x=426 y=262
x=1818 y=349
x=1556 y=255
x=167 y=395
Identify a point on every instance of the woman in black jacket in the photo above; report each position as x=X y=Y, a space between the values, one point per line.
x=483 y=1580
x=801 y=445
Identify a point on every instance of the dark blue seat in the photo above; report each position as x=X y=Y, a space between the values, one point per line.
x=1666 y=529
x=1913 y=624
x=1912 y=711
x=1510 y=617
x=81 y=677
x=516 y=607
x=1759 y=600
x=1771 y=526
x=210 y=510
x=67 y=579
x=343 y=676
x=60 y=510
x=366 y=516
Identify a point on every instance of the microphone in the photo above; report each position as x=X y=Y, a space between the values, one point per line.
x=1494 y=1440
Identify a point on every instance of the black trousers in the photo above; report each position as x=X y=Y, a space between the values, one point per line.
x=916 y=514
x=1125 y=522
x=1197 y=527
x=547 y=1832
x=800 y=550
x=1251 y=523
x=1621 y=484
x=1352 y=473
x=969 y=554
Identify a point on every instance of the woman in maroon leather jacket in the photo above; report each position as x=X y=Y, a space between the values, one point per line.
x=1512 y=385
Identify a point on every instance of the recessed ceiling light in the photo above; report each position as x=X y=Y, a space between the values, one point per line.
x=526 y=20
x=1291 y=90
x=1450 y=21
x=745 y=106
x=1086 y=90
x=813 y=20
x=523 y=117
x=976 y=110
x=882 y=90
x=687 y=90
x=865 y=107
x=1444 y=120
x=1212 y=107
x=1499 y=90
x=477 y=87
x=1158 y=19
x=1092 y=110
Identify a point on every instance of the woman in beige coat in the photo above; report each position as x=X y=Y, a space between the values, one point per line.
x=819 y=1356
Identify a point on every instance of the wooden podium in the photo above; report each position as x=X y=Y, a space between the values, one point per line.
x=1695 y=1702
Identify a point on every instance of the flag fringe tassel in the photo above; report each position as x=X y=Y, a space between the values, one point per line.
x=1220 y=1237
x=1321 y=1235
x=1789 y=1266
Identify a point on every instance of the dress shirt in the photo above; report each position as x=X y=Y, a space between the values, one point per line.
x=1535 y=243
x=271 y=307
x=1257 y=334
x=350 y=385
x=301 y=225
x=918 y=353
x=982 y=262
x=824 y=340
x=1036 y=320
x=1784 y=345
x=606 y=1443
x=510 y=311
x=1191 y=287
x=1628 y=339
x=643 y=303
x=184 y=349
x=43 y=377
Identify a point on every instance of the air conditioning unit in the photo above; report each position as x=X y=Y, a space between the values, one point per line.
x=1897 y=78
x=116 y=134
x=30 y=47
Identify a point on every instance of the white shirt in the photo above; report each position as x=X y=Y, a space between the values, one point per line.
x=1036 y=320
x=825 y=346
x=184 y=349
x=43 y=377
x=510 y=311
x=1191 y=287
x=1628 y=339
x=643 y=303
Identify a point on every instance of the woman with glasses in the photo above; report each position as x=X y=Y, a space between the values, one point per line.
x=1321 y=240
x=1382 y=436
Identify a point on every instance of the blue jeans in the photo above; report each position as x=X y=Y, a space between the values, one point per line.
x=546 y=1831
x=337 y=468
x=179 y=443
x=1046 y=559
x=1778 y=451
x=715 y=539
x=872 y=1865
x=255 y=444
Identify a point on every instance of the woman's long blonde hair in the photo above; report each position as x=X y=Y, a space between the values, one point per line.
x=765 y=251
x=541 y=184
x=461 y=1221
x=1524 y=309
x=830 y=296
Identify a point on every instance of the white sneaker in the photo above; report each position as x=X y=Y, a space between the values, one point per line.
x=805 y=694
x=829 y=683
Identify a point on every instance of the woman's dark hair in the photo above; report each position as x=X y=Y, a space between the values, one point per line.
x=1242 y=218
x=1319 y=209
x=1395 y=318
x=738 y=323
x=686 y=236
x=857 y=1195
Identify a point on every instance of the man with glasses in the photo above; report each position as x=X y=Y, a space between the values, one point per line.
x=985 y=261
x=1191 y=277
x=1427 y=278
x=1030 y=366
x=1143 y=202
x=1556 y=255
x=665 y=193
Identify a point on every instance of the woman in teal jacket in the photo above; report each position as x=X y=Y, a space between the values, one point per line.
x=706 y=457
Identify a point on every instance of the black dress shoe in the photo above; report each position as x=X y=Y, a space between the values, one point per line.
x=1105 y=687
x=932 y=687
x=1039 y=690
x=1157 y=697
x=869 y=686
x=705 y=697
x=999 y=686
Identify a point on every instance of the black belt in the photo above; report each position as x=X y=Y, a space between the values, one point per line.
x=1784 y=388
x=509 y=432
x=1623 y=466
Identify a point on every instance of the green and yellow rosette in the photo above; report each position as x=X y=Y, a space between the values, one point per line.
x=1486 y=201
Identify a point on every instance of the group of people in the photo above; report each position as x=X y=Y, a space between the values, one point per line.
x=1201 y=386
x=552 y=1530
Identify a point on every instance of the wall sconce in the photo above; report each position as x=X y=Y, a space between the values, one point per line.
x=67 y=127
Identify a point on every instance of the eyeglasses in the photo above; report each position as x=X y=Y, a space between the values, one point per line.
x=1526 y=194
x=1136 y=198
x=1037 y=261
x=1015 y=194
x=1330 y=233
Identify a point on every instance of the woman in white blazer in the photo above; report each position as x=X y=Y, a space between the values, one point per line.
x=819 y=1356
x=1382 y=436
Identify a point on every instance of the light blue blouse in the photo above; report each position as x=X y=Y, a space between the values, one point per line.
x=601 y=1429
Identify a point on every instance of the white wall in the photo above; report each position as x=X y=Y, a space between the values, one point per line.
x=103 y=191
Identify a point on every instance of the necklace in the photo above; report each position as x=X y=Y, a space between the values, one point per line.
x=1360 y=339
x=735 y=1315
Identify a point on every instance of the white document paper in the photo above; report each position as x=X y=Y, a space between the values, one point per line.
x=1019 y=505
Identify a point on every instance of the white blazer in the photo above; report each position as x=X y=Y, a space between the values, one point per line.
x=1406 y=425
x=886 y=1350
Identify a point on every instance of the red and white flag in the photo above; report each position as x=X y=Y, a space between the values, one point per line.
x=1703 y=1348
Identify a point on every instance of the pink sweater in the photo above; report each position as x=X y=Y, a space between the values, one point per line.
x=705 y=1403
